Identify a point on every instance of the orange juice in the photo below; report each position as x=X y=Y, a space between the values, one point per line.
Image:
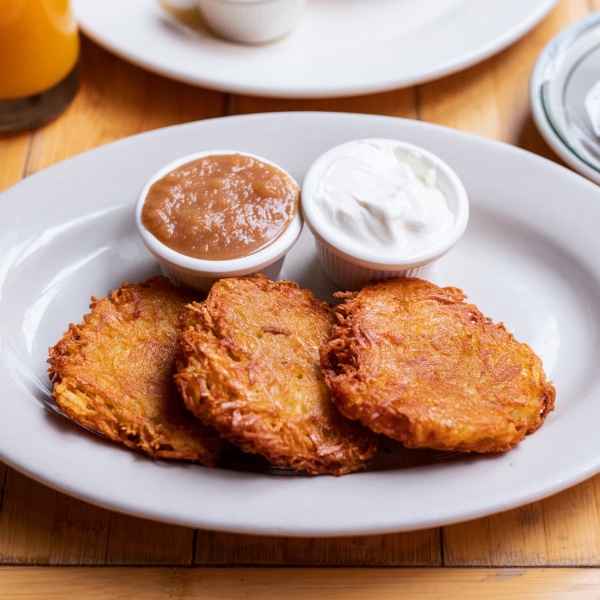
x=39 y=46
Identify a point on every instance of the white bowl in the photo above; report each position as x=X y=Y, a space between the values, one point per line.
x=350 y=262
x=200 y=273
x=251 y=21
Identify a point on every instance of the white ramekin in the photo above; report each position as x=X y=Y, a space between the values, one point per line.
x=251 y=21
x=349 y=265
x=200 y=274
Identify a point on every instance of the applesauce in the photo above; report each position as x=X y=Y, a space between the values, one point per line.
x=221 y=206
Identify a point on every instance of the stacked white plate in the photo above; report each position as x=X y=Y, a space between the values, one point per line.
x=565 y=95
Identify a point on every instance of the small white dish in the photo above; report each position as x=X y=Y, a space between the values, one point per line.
x=359 y=239
x=565 y=95
x=251 y=21
x=199 y=273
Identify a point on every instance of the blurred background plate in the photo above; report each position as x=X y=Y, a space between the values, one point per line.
x=340 y=48
x=565 y=95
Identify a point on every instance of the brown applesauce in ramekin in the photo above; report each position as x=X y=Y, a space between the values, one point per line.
x=221 y=206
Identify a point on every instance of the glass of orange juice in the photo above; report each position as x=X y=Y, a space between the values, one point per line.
x=39 y=54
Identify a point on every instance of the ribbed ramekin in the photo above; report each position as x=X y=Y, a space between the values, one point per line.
x=200 y=273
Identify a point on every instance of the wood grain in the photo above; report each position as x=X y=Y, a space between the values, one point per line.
x=13 y=155
x=54 y=529
x=563 y=530
x=419 y=548
x=398 y=103
x=42 y=526
x=295 y=584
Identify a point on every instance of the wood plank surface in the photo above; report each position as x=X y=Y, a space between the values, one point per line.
x=13 y=155
x=100 y=583
x=397 y=103
x=53 y=529
x=563 y=530
x=417 y=548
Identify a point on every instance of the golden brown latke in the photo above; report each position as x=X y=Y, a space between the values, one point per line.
x=250 y=368
x=415 y=362
x=113 y=373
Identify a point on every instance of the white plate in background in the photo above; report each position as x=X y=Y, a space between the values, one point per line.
x=340 y=48
x=565 y=95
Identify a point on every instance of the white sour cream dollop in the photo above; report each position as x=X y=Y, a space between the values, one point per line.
x=384 y=198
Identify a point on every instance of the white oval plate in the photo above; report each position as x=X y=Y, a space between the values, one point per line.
x=529 y=258
x=338 y=49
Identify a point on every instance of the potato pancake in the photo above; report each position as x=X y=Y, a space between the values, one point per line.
x=250 y=368
x=417 y=363
x=113 y=373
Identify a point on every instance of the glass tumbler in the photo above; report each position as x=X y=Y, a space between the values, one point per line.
x=39 y=54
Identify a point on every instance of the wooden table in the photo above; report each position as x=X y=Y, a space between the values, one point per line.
x=53 y=546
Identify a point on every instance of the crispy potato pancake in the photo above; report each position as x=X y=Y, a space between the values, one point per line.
x=250 y=368
x=417 y=363
x=113 y=373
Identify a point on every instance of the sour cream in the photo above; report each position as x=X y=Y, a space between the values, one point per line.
x=383 y=197
x=381 y=208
